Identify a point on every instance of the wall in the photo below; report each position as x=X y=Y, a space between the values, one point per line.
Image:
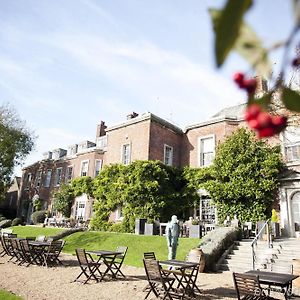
x=161 y=135
x=137 y=134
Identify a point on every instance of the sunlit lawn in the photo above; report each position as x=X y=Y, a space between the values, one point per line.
x=8 y=296
x=95 y=240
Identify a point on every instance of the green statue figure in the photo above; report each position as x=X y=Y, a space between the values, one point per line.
x=172 y=234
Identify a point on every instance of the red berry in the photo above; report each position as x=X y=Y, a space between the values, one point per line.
x=279 y=123
x=264 y=119
x=254 y=124
x=266 y=132
x=250 y=86
x=239 y=79
x=252 y=112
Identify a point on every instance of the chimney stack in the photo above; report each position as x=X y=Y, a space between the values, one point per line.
x=101 y=129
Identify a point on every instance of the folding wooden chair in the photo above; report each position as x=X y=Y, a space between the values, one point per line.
x=88 y=266
x=114 y=263
x=247 y=287
x=7 y=246
x=159 y=284
x=52 y=253
x=29 y=254
x=149 y=255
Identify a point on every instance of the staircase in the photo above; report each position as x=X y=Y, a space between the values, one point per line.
x=278 y=258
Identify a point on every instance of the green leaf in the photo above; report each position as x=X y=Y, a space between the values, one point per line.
x=263 y=101
x=249 y=46
x=291 y=99
x=296 y=10
x=228 y=26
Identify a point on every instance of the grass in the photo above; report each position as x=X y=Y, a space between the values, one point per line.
x=8 y=296
x=95 y=240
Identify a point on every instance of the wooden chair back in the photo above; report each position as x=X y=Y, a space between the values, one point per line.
x=247 y=286
x=81 y=257
x=153 y=270
x=149 y=255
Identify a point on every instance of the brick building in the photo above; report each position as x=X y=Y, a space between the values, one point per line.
x=149 y=137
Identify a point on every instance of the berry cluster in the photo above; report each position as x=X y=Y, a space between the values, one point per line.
x=246 y=84
x=265 y=124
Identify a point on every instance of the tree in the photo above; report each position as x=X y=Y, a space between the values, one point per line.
x=16 y=142
x=245 y=177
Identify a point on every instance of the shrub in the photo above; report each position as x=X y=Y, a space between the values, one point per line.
x=38 y=216
x=117 y=227
x=16 y=221
x=5 y=223
x=216 y=242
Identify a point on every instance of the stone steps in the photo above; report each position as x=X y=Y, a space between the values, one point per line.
x=239 y=258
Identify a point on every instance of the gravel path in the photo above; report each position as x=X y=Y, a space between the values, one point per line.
x=36 y=282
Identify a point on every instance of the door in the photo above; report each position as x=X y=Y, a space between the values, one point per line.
x=296 y=211
x=80 y=210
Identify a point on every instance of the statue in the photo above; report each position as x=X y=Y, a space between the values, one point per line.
x=172 y=234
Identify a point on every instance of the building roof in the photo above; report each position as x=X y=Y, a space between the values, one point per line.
x=236 y=111
x=144 y=117
x=229 y=114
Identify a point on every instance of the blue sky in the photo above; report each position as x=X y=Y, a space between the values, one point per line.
x=66 y=65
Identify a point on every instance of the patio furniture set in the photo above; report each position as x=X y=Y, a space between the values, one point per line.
x=96 y=265
x=30 y=250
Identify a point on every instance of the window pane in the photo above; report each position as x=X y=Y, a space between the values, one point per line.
x=48 y=178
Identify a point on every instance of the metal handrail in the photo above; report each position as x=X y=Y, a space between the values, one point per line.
x=254 y=242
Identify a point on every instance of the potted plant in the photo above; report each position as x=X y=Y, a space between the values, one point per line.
x=195 y=229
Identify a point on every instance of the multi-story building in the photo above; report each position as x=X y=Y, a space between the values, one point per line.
x=148 y=137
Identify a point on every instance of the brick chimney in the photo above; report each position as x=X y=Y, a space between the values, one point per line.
x=132 y=115
x=262 y=86
x=101 y=129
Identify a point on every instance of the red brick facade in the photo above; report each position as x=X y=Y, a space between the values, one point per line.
x=144 y=137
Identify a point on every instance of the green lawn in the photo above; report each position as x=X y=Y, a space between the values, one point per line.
x=95 y=240
x=8 y=296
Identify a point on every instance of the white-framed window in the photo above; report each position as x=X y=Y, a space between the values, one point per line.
x=58 y=174
x=84 y=168
x=292 y=152
x=69 y=173
x=98 y=166
x=168 y=155
x=126 y=154
x=38 y=177
x=206 y=149
x=48 y=178
x=102 y=142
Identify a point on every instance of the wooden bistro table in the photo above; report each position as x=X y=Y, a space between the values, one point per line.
x=39 y=248
x=185 y=274
x=107 y=257
x=277 y=280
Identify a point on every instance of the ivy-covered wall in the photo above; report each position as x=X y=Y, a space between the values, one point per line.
x=243 y=180
x=144 y=189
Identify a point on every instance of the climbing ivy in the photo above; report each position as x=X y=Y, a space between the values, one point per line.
x=144 y=189
x=63 y=198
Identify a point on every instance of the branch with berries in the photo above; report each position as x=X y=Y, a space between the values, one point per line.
x=233 y=33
